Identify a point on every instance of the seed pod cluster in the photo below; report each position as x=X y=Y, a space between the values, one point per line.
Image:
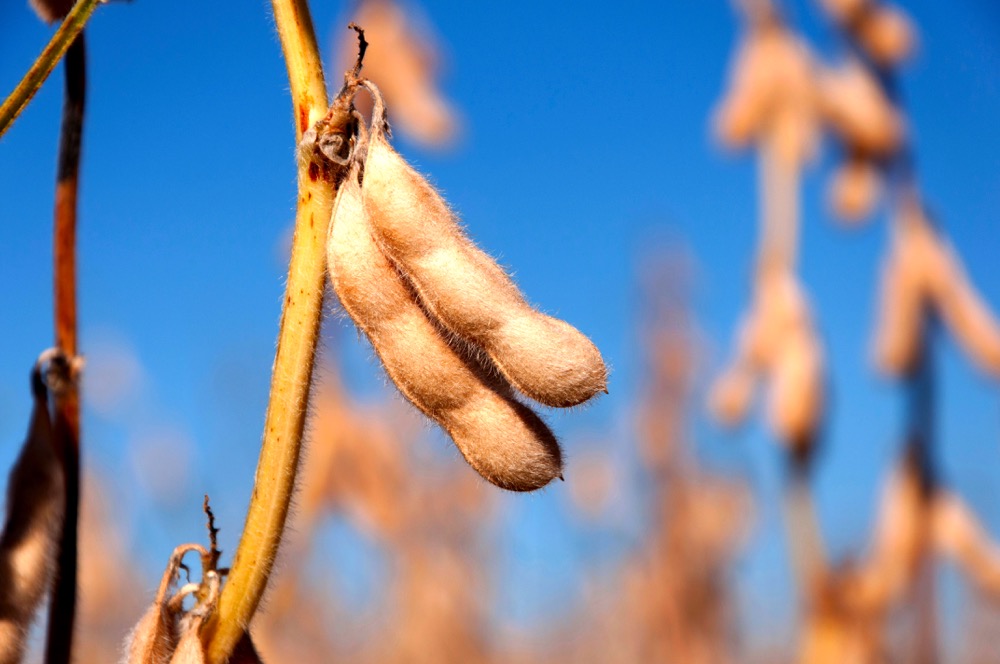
x=884 y=32
x=922 y=271
x=167 y=633
x=777 y=343
x=771 y=91
x=871 y=130
x=453 y=332
x=35 y=505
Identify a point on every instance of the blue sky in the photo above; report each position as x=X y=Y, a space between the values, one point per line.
x=585 y=140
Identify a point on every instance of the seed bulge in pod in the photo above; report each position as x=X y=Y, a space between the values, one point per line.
x=505 y=441
x=545 y=358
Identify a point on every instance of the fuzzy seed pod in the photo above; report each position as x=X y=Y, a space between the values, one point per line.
x=796 y=392
x=30 y=535
x=780 y=309
x=505 y=441
x=898 y=331
x=887 y=35
x=189 y=649
x=944 y=281
x=545 y=358
x=770 y=87
x=957 y=533
x=857 y=108
x=153 y=639
x=854 y=190
x=155 y=636
x=967 y=316
x=732 y=395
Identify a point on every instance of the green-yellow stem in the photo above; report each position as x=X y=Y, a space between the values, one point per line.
x=46 y=62
x=293 y=363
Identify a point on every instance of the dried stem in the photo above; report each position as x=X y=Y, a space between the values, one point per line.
x=66 y=410
x=293 y=364
x=71 y=26
x=779 y=211
x=805 y=540
x=779 y=206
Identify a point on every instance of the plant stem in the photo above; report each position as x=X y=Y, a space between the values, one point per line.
x=71 y=26
x=66 y=421
x=293 y=364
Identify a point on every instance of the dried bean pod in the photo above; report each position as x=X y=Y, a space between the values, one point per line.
x=189 y=649
x=857 y=108
x=545 y=358
x=505 y=441
x=29 y=540
x=898 y=330
x=796 y=389
x=964 y=311
x=155 y=636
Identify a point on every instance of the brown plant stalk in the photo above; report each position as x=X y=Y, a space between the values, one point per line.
x=291 y=377
x=66 y=415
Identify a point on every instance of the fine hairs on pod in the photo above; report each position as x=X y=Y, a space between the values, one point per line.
x=504 y=440
x=166 y=633
x=464 y=289
x=31 y=530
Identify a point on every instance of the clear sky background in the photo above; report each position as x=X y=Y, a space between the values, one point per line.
x=585 y=141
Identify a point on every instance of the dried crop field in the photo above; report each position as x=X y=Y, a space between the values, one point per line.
x=417 y=331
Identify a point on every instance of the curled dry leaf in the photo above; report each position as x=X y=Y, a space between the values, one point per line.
x=854 y=104
x=546 y=359
x=31 y=531
x=506 y=442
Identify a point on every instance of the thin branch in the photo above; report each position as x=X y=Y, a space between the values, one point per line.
x=291 y=378
x=71 y=26
x=66 y=410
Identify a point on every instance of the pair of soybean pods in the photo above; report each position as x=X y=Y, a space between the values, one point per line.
x=454 y=333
